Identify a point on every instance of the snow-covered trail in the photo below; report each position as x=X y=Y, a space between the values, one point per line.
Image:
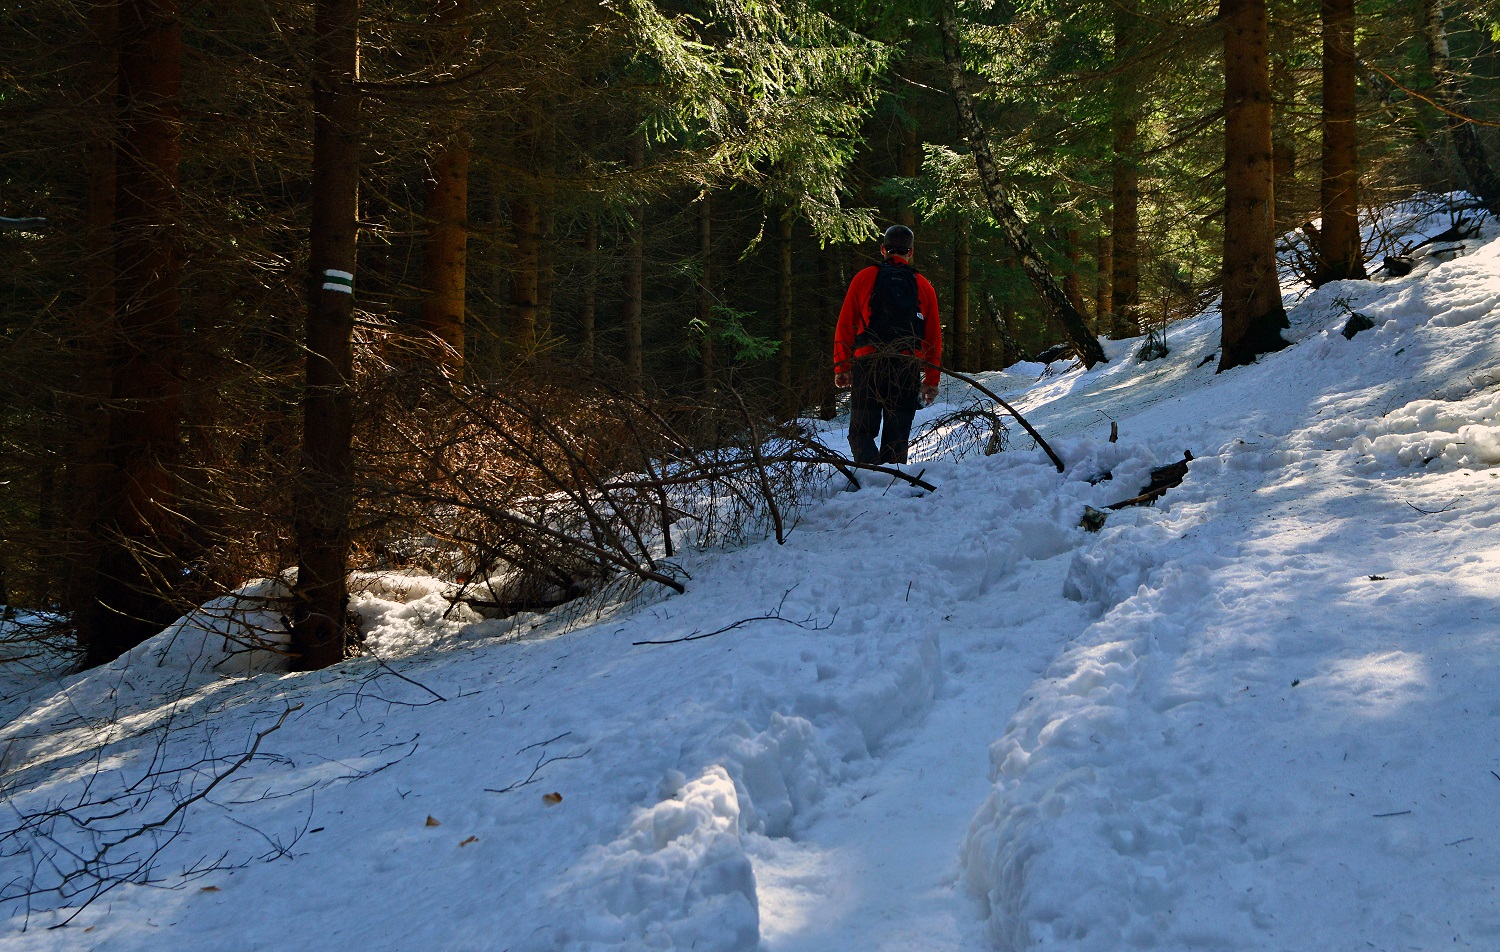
x=878 y=869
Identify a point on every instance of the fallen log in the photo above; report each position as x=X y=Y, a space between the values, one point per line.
x=1163 y=478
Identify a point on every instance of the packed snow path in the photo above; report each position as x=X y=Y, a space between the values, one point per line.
x=1259 y=715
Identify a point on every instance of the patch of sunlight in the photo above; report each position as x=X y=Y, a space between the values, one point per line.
x=1375 y=684
x=800 y=888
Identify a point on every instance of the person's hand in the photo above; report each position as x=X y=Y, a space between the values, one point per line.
x=843 y=380
x=929 y=394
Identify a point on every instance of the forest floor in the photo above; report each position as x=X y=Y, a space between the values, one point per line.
x=1258 y=715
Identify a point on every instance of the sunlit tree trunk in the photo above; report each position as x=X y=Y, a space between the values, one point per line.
x=324 y=493
x=1339 y=252
x=138 y=527
x=1252 y=311
x=1002 y=318
x=1452 y=97
x=1105 y=259
x=1008 y=220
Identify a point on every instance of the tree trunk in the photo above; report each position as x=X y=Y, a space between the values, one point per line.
x=525 y=277
x=1252 y=311
x=546 y=276
x=1006 y=217
x=446 y=265
x=1000 y=319
x=1105 y=258
x=1452 y=97
x=1283 y=107
x=1125 y=191
x=1339 y=254
x=1072 y=282
x=962 y=359
x=634 y=279
x=705 y=303
x=910 y=168
x=447 y=249
x=985 y=350
x=138 y=527
x=88 y=456
x=324 y=493
x=784 y=306
x=587 y=312
x=834 y=283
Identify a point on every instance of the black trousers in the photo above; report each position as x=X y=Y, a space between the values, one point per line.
x=883 y=401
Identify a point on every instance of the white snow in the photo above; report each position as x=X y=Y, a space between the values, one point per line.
x=1258 y=715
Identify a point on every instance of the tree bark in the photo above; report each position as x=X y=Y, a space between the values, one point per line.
x=834 y=282
x=446 y=254
x=634 y=279
x=1339 y=254
x=784 y=307
x=588 y=309
x=546 y=275
x=1283 y=106
x=1252 y=311
x=985 y=350
x=1005 y=214
x=1072 y=282
x=88 y=465
x=705 y=302
x=1105 y=258
x=1125 y=197
x=447 y=249
x=138 y=527
x=525 y=278
x=962 y=359
x=1450 y=94
x=910 y=167
x=324 y=493
x=1000 y=319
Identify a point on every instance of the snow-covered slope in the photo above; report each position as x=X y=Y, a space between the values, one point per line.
x=1258 y=715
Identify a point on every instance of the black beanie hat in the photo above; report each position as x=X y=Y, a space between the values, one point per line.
x=898 y=240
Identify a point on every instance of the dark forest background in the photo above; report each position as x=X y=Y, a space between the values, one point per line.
x=589 y=237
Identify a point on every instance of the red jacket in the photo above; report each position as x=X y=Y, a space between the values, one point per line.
x=855 y=316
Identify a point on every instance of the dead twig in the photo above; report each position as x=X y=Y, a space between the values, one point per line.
x=542 y=760
x=807 y=624
x=1025 y=425
x=1434 y=512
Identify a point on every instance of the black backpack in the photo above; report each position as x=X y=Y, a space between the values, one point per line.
x=896 y=319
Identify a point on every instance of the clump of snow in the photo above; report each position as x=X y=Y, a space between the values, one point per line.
x=678 y=879
x=401 y=614
x=1455 y=434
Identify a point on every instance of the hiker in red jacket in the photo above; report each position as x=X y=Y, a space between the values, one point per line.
x=887 y=348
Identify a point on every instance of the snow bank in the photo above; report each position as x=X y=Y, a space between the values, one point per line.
x=1241 y=751
x=235 y=634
